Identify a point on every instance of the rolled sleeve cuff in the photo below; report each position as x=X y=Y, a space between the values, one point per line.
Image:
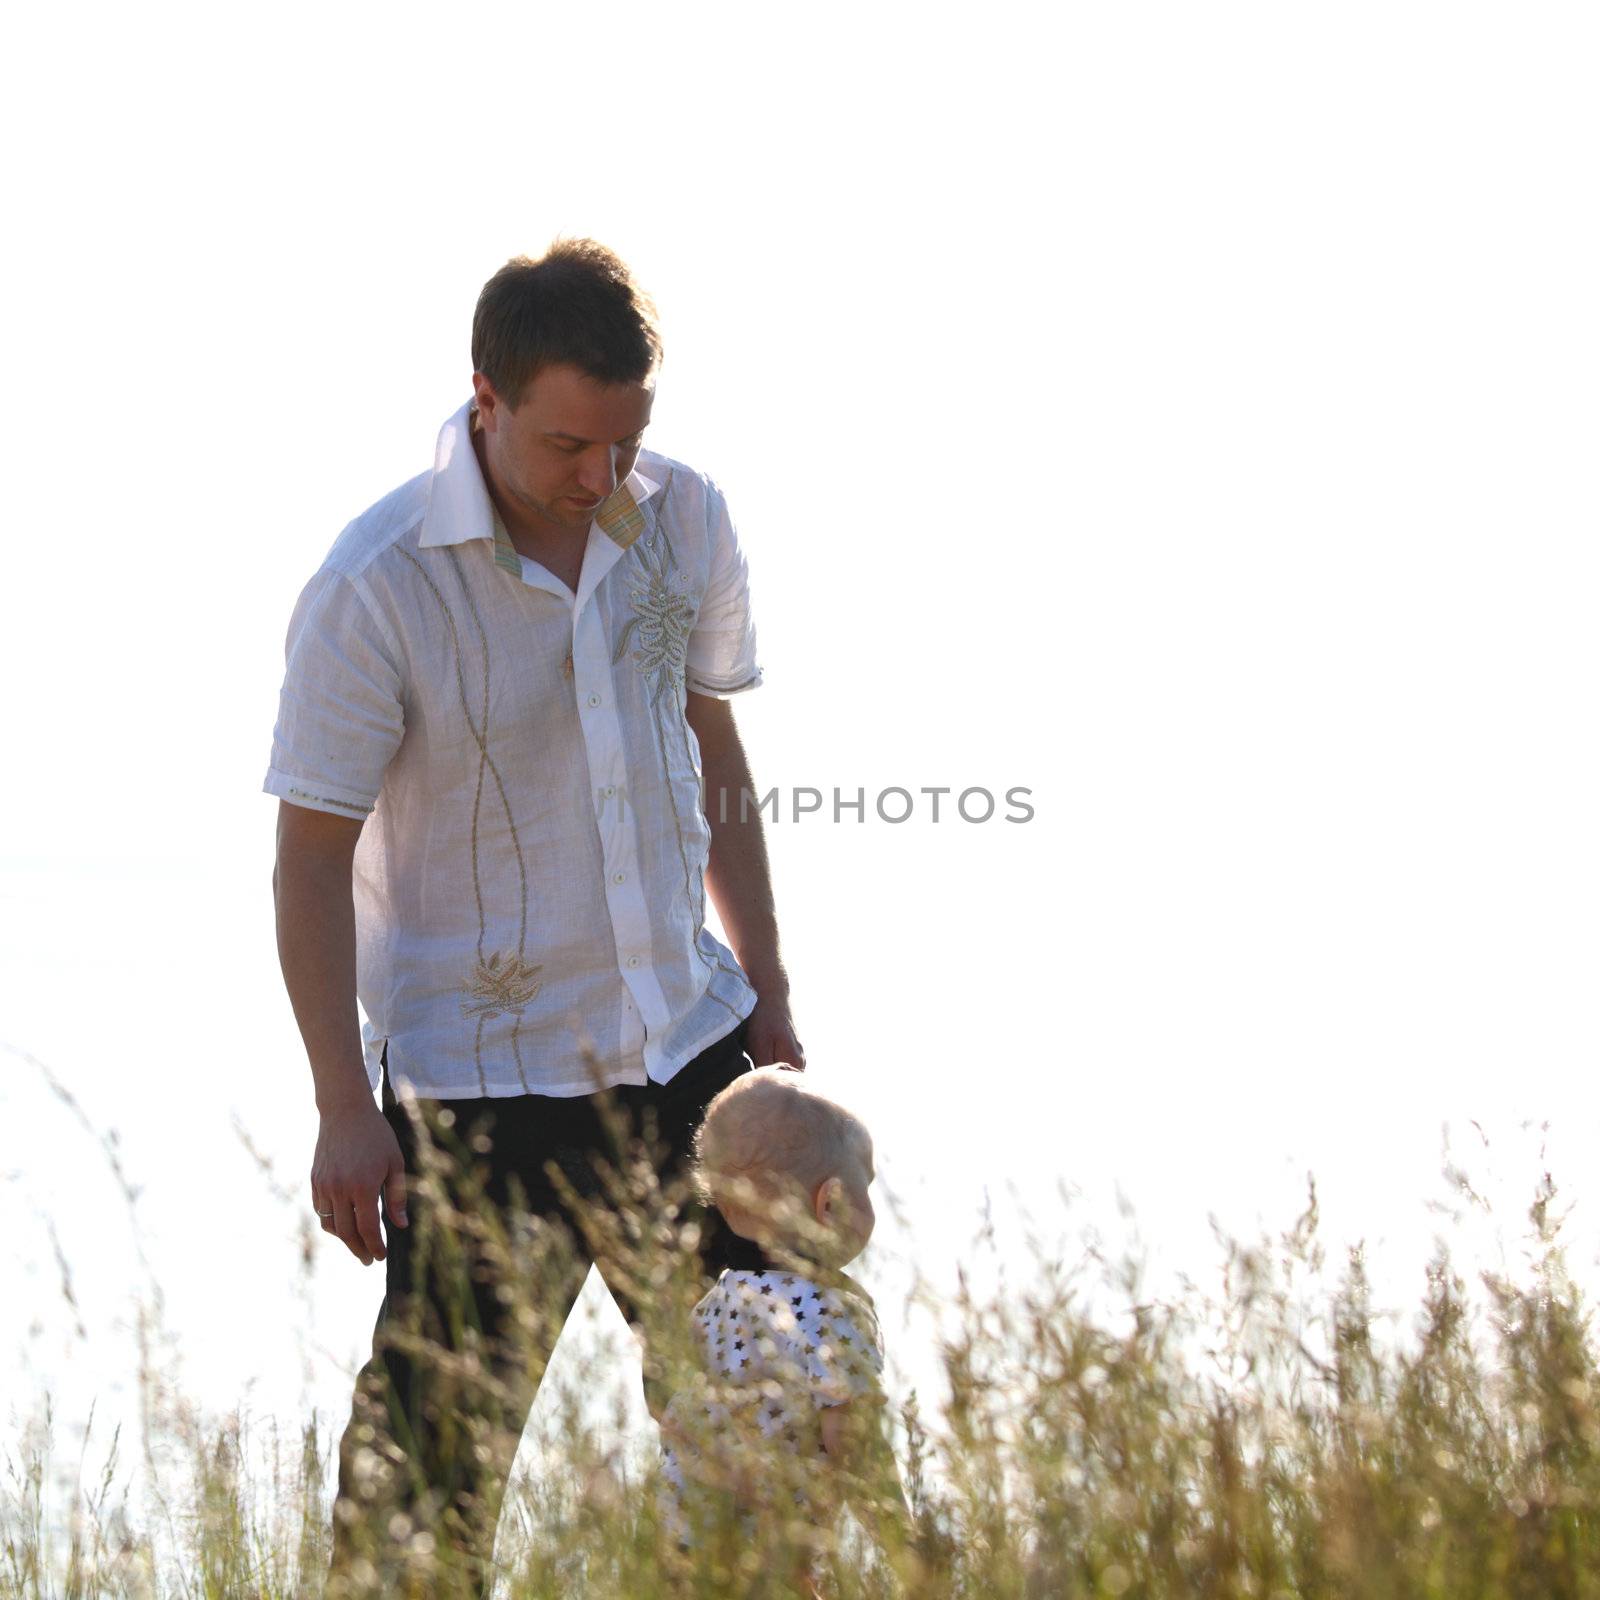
x=316 y=796
x=723 y=688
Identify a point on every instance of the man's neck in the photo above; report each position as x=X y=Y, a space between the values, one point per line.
x=558 y=549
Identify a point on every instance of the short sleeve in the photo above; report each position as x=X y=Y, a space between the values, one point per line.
x=721 y=659
x=341 y=709
x=844 y=1353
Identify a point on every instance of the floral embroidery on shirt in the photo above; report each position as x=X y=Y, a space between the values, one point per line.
x=493 y=989
x=664 y=615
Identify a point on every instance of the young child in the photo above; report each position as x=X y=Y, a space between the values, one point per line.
x=784 y=1405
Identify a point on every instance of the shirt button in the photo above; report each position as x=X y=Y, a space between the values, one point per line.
x=633 y=961
x=594 y=699
x=608 y=791
x=620 y=877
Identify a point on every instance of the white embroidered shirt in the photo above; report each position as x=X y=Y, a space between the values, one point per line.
x=529 y=883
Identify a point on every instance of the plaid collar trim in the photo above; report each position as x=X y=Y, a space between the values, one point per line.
x=620 y=518
x=505 y=553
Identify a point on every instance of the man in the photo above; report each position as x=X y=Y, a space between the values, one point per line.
x=505 y=684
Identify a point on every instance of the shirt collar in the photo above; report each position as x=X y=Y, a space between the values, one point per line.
x=459 y=507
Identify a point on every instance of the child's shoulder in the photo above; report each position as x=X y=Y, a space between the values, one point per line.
x=837 y=1306
x=848 y=1299
x=793 y=1299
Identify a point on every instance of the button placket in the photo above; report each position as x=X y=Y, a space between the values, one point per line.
x=601 y=729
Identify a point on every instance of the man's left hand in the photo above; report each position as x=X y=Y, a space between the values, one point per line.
x=770 y=1036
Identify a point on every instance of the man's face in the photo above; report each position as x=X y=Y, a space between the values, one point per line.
x=566 y=447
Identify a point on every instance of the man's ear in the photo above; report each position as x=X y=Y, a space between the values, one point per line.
x=489 y=402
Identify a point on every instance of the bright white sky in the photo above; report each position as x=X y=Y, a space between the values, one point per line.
x=1187 y=413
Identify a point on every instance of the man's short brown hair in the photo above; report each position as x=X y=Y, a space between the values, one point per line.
x=577 y=305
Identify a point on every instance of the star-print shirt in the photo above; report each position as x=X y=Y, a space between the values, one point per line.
x=776 y=1349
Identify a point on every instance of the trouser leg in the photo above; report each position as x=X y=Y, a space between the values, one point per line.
x=465 y=1332
x=667 y=1116
x=461 y=1342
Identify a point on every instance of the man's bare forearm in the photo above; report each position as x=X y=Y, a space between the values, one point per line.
x=739 y=882
x=317 y=951
x=738 y=875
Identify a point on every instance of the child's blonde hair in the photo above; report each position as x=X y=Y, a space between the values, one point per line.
x=770 y=1136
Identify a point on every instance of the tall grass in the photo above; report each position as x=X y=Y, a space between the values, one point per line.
x=1274 y=1438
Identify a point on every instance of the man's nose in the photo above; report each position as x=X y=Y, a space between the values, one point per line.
x=598 y=474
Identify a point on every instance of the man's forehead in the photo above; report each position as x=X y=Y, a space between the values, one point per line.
x=565 y=403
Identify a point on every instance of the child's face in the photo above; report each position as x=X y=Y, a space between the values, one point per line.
x=832 y=1224
x=856 y=1220
x=844 y=1208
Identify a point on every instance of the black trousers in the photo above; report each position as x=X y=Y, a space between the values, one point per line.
x=457 y=1358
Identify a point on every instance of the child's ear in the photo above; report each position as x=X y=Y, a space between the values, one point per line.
x=827 y=1196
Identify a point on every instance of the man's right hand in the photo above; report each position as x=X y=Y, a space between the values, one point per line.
x=357 y=1159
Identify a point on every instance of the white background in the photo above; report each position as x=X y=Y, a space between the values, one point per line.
x=1187 y=413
